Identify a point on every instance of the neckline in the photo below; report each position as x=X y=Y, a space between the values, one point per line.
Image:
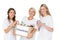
x=46 y=16
x=30 y=20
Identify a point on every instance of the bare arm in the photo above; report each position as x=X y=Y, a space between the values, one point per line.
x=30 y=35
x=48 y=28
x=39 y=24
x=10 y=27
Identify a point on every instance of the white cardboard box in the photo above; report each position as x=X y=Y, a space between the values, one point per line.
x=22 y=30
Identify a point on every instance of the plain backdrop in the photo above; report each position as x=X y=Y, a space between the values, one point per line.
x=22 y=7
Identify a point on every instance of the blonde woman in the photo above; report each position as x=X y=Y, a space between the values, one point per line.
x=45 y=25
x=30 y=21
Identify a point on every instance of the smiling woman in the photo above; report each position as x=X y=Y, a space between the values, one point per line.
x=32 y=23
x=9 y=25
x=11 y=14
x=45 y=25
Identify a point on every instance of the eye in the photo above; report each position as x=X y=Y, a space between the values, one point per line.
x=11 y=12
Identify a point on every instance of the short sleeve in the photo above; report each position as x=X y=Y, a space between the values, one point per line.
x=36 y=24
x=5 y=24
x=49 y=22
x=23 y=20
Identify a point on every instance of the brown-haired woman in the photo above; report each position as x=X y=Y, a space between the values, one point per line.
x=9 y=25
x=45 y=25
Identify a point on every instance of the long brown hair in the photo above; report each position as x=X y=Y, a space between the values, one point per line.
x=14 y=12
x=44 y=5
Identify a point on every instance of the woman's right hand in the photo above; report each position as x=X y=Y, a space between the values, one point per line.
x=14 y=23
x=39 y=25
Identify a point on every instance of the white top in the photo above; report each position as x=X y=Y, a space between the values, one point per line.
x=29 y=22
x=9 y=35
x=44 y=34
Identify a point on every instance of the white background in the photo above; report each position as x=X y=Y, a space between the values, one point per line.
x=22 y=7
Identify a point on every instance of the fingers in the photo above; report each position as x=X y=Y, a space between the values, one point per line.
x=14 y=23
x=29 y=36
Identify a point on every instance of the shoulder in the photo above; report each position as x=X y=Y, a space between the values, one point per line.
x=5 y=20
x=49 y=17
x=35 y=20
x=24 y=17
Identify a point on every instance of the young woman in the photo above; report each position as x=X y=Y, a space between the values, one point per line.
x=30 y=21
x=9 y=25
x=45 y=25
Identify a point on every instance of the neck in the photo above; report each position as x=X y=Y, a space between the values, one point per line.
x=45 y=14
x=10 y=18
x=30 y=18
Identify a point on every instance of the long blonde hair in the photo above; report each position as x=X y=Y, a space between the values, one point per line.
x=44 y=5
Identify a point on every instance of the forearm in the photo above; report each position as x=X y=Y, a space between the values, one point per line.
x=33 y=31
x=48 y=28
x=8 y=29
x=30 y=35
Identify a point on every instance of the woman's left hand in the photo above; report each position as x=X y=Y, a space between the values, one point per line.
x=39 y=24
x=29 y=35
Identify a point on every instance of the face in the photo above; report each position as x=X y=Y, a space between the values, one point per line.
x=43 y=10
x=11 y=14
x=31 y=12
